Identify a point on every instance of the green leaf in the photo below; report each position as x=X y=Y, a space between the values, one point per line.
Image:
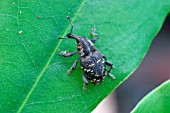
x=157 y=101
x=33 y=76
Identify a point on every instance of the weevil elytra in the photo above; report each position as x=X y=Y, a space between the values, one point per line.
x=93 y=62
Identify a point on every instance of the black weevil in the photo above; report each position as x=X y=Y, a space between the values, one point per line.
x=93 y=62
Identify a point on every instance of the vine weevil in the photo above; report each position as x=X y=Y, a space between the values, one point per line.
x=93 y=63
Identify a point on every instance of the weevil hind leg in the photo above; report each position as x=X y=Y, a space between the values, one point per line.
x=73 y=67
x=85 y=81
x=111 y=67
x=112 y=76
x=93 y=33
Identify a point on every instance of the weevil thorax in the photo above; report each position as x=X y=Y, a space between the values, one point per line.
x=85 y=46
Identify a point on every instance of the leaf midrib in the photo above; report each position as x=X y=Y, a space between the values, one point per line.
x=49 y=60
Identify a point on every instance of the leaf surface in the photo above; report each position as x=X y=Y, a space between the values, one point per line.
x=33 y=76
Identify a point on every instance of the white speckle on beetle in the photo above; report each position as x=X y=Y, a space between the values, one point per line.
x=93 y=80
x=98 y=60
x=97 y=75
x=91 y=65
x=90 y=42
x=88 y=70
x=102 y=70
x=79 y=47
x=98 y=80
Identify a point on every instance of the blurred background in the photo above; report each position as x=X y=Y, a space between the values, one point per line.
x=154 y=70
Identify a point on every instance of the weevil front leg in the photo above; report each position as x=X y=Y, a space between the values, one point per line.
x=93 y=33
x=111 y=67
x=85 y=81
x=67 y=54
x=73 y=67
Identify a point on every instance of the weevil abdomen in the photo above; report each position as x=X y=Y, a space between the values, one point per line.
x=94 y=67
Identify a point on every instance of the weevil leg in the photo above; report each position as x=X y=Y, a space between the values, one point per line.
x=111 y=67
x=112 y=76
x=73 y=67
x=67 y=54
x=85 y=81
x=93 y=33
x=104 y=57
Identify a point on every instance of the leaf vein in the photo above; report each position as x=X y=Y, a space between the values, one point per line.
x=48 y=62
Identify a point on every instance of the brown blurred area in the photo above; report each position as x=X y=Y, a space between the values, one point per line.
x=154 y=70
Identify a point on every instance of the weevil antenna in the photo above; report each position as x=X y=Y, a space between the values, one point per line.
x=70 y=24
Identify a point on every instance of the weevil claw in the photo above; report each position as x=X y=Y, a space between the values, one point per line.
x=63 y=53
x=69 y=72
x=85 y=87
x=112 y=76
